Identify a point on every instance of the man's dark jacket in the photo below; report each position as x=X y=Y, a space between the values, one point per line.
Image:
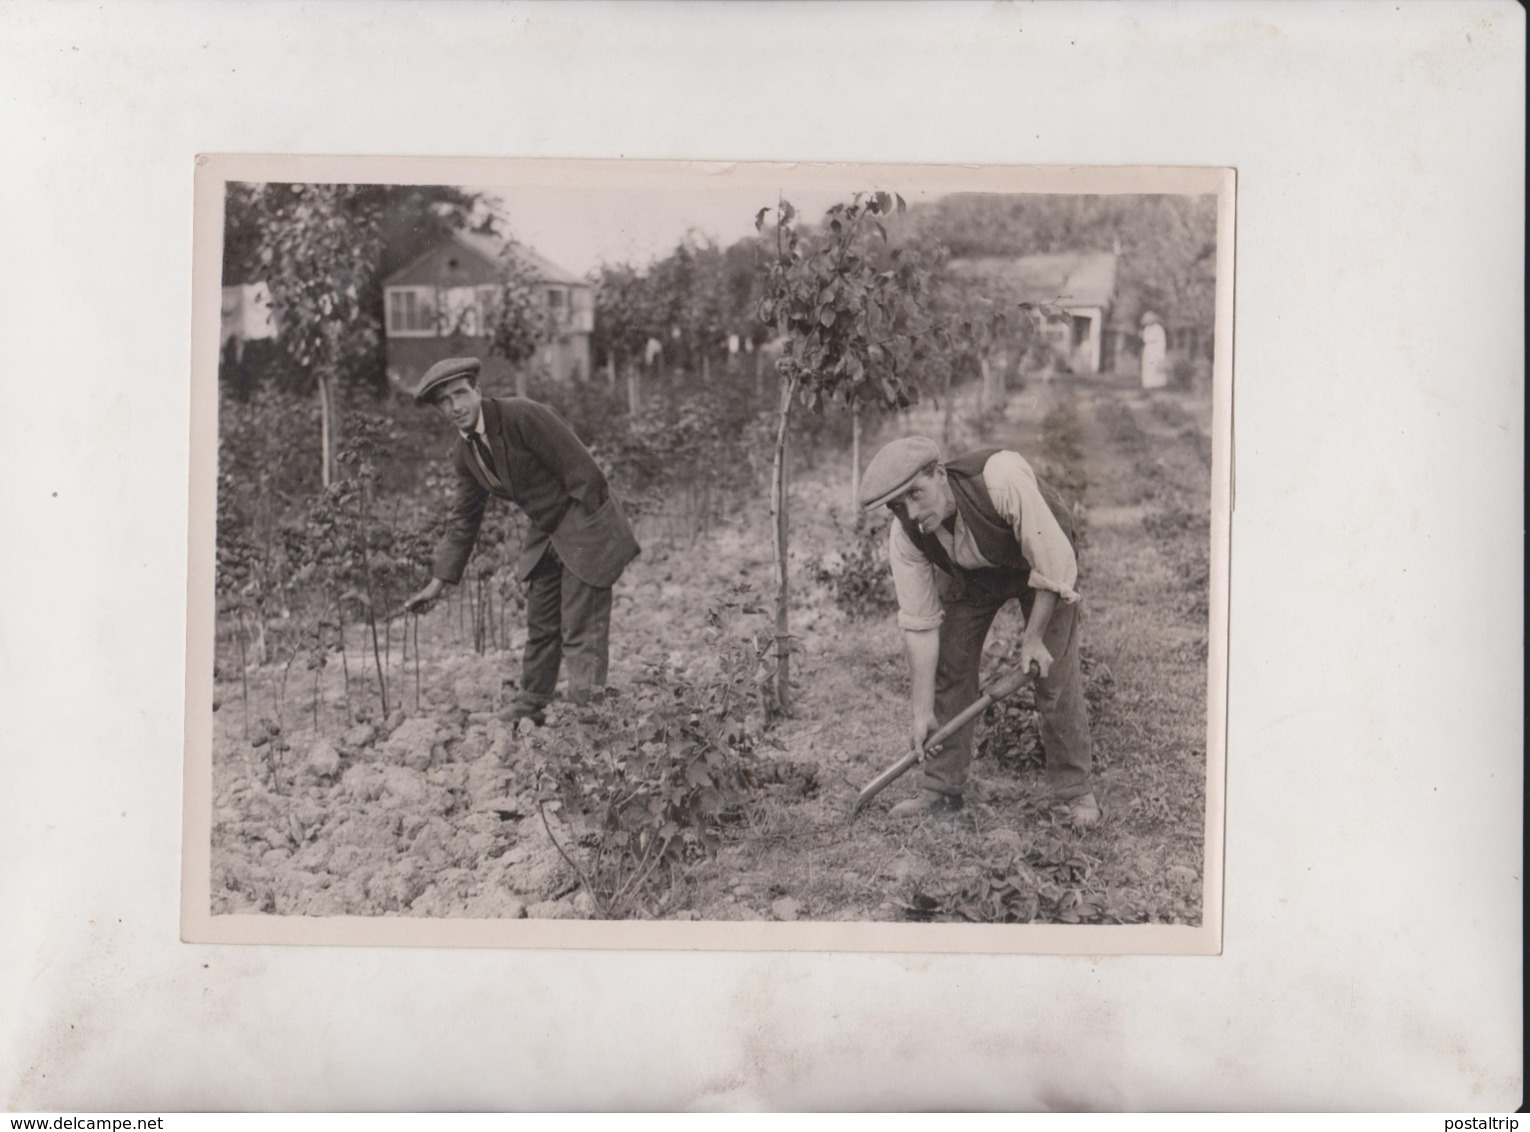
x=542 y=467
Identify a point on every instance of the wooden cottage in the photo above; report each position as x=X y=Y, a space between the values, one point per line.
x=441 y=305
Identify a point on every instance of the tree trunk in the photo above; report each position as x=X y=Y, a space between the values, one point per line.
x=611 y=371
x=520 y=378
x=855 y=457
x=634 y=391
x=759 y=374
x=778 y=502
x=987 y=399
x=326 y=433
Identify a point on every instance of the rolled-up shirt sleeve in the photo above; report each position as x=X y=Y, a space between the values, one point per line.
x=914 y=581
x=1011 y=484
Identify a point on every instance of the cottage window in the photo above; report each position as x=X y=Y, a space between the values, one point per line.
x=554 y=299
x=411 y=312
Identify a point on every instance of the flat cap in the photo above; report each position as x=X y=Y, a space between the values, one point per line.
x=894 y=466
x=442 y=372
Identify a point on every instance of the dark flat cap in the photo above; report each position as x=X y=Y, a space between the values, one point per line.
x=891 y=469
x=442 y=372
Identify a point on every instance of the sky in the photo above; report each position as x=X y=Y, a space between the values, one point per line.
x=579 y=229
x=580 y=226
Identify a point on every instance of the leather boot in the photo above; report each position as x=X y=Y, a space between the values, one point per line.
x=1083 y=811
x=927 y=803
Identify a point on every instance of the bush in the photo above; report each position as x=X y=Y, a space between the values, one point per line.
x=655 y=773
x=860 y=579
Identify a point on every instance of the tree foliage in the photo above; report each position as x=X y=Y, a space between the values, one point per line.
x=518 y=321
x=323 y=250
x=854 y=316
x=1167 y=243
x=691 y=301
x=316 y=247
x=626 y=314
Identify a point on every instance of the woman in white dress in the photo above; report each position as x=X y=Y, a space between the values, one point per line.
x=1155 y=374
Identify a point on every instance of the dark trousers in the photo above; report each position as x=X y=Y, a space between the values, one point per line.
x=566 y=620
x=971 y=603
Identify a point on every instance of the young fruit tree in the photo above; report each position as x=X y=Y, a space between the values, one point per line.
x=317 y=247
x=851 y=312
x=518 y=320
x=626 y=316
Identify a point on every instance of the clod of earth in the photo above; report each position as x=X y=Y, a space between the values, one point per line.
x=323 y=759
x=414 y=743
x=785 y=908
x=358 y=736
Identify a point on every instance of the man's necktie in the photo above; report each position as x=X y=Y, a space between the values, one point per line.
x=481 y=451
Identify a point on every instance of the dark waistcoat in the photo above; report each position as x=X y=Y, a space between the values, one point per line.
x=994 y=536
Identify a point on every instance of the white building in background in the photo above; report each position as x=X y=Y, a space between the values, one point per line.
x=247 y=317
x=1080 y=285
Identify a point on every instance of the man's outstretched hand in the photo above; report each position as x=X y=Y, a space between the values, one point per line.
x=425 y=598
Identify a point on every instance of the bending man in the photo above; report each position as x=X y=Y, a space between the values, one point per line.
x=970 y=534
x=578 y=544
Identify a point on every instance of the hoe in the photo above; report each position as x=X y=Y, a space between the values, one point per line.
x=1007 y=686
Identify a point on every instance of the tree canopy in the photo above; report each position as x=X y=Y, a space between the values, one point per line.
x=1167 y=244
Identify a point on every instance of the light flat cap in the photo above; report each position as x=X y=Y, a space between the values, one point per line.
x=442 y=372
x=892 y=469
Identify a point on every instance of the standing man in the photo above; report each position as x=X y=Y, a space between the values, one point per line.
x=970 y=534
x=1155 y=344
x=579 y=542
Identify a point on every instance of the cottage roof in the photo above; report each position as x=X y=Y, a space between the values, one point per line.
x=492 y=249
x=1068 y=279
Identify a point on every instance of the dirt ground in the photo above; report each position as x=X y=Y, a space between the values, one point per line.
x=432 y=810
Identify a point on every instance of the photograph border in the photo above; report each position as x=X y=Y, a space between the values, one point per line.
x=199 y=925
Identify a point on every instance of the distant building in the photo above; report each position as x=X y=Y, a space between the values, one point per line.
x=1081 y=285
x=247 y=317
x=441 y=304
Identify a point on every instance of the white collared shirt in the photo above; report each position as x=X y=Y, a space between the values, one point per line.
x=1012 y=487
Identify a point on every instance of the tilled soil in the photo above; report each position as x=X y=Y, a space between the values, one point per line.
x=433 y=810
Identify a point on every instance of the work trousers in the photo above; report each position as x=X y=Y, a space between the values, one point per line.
x=971 y=601
x=566 y=620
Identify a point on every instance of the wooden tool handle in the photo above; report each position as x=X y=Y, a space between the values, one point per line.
x=1007 y=686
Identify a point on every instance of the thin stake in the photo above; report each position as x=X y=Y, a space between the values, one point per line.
x=414 y=621
x=244 y=678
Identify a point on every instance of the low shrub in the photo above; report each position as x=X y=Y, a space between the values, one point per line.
x=650 y=778
x=859 y=578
